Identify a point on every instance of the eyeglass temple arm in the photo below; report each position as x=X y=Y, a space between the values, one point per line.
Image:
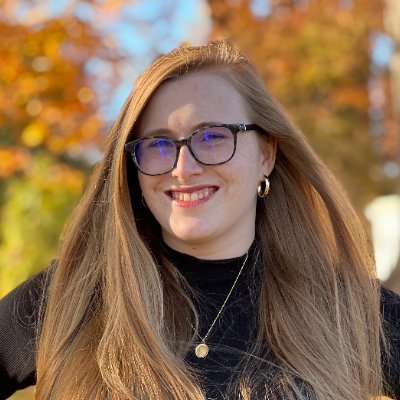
x=248 y=127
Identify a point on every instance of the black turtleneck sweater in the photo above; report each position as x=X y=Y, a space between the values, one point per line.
x=232 y=335
x=234 y=332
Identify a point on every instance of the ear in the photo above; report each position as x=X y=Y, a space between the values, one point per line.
x=268 y=147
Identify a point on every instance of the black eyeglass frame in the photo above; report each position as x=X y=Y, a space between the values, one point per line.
x=234 y=128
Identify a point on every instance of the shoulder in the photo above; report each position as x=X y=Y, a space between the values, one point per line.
x=390 y=307
x=19 y=319
x=24 y=299
x=390 y=316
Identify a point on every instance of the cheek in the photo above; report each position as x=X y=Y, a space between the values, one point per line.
x=242 y=180
x=147 y=183
x=142 y=182
x=248 y=167
x=151 y=187
x=148 y=186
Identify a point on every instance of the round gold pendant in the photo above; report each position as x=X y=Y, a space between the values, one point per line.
x=201 y=350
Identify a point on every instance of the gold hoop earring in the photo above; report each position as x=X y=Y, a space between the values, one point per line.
x=263 y=187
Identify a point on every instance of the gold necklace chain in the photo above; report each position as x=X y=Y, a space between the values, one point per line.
x=202 y=349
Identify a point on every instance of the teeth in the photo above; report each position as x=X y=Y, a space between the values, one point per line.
x=192 y=196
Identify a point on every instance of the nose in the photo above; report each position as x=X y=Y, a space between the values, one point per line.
x=186 y=165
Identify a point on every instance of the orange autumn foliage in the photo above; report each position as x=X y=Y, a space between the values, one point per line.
x=315 y=57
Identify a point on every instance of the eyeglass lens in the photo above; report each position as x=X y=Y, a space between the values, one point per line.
x=210 y=146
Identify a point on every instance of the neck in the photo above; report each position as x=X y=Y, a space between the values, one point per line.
x=211 y=250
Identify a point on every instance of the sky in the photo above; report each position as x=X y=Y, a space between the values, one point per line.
x=140 y=29
x=145 y=29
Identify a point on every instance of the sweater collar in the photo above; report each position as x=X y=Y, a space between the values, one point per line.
x=196 y=270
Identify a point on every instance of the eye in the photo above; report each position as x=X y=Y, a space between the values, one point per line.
x=160 y=143
x=212 y=136
x=216 y=134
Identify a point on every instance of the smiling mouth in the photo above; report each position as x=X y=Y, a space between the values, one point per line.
x=193 y=197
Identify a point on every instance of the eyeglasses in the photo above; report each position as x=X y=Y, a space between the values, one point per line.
x=210 y=145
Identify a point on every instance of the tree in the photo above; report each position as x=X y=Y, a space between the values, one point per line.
x=50 y=126
x=314 y=56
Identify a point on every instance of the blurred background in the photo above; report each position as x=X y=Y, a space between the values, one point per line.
x=67 y=66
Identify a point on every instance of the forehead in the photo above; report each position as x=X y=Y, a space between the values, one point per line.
x=191 y=99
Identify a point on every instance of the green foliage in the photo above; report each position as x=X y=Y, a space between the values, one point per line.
x=49 y=122
x=33 y=213
x=27 y=394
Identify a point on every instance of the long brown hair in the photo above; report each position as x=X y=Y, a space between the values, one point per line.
x=116 y=323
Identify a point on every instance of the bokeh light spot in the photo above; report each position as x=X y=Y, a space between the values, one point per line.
x=34 y=107
x=34 y=134
x=85 y=95
x=41 y=64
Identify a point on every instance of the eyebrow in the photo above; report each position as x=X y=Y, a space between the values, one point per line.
x=165 y=131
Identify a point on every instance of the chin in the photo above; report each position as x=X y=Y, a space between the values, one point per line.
x=192 y=234
x=192 y=237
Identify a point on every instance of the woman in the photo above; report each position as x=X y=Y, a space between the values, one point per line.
x=213 y=255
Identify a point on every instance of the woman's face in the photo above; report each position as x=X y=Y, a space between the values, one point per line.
x=206 y=211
